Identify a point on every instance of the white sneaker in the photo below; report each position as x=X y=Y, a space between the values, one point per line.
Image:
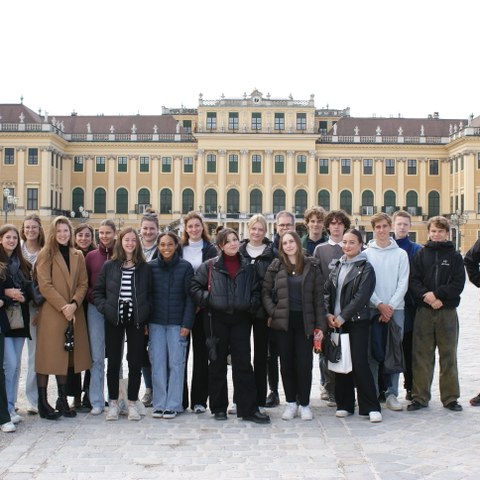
x=8 y=427
x=113 y=411
x=157 y=414
x=169 y=414
x=375 y=417
x=393 y=403
x=133 y=413
x=233 y=409
x=199 y=409
x=32 y=409
x=15 y=418
x=262 y=410
x=96 y=410
x=342 y=413
x=290 y=411
x=305 y=412
x=147 y=397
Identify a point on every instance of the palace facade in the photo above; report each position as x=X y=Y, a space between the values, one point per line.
x=232 y=157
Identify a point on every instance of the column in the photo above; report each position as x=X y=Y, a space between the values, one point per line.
x=244 y=169
x=445 y=192
x=422 y=176
x=200 y=177
x=132 y=196
x=357 y=197
x=89 y=190
x=400 y=166
x=155 y=196
x=312 y=179
x=379 y=172
x=222 y=180
x=177 y=188
x=45 y=182
x=111 y=167
x=267 y=176
x=20 y=187
x=290 y=196
x=335 y=196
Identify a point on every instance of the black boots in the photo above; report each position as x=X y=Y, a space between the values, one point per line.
x=62 y=403
x=44 y=409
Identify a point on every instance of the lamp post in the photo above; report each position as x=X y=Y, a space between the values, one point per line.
x=81 y=213
x=9 y=202
x=458 y=219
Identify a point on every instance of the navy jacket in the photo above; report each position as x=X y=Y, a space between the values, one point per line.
x=172 y=304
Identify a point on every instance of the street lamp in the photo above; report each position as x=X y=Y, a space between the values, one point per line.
x=9 y=202
x=458 y=219
x=81 y=212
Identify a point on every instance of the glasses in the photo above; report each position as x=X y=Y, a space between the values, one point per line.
x=285 y=225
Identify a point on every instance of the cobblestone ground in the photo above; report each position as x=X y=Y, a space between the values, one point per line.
x=433 y=443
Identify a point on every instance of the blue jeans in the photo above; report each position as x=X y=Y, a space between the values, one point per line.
x=31 y=390
x=96 y=334
x=391 y=380
x=167 y=350
x=12 y=365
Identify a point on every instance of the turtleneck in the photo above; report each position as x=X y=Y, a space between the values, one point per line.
x=65 y=251
x=193 y=253
x=232 y=264
x=254 y=251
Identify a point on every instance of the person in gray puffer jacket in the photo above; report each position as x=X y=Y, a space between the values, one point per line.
x=292 y=295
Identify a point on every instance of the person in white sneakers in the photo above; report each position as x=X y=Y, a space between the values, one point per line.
x=392 y=270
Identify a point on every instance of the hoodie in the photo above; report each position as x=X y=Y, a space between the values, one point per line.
x=392 y=271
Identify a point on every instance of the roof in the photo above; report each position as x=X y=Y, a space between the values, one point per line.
x=411 y=127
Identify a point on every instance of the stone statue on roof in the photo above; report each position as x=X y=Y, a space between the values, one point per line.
x=400 y=131
x=89 y=128
x=356 y=130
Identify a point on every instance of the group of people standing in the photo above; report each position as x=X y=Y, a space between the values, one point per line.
x=160 y=292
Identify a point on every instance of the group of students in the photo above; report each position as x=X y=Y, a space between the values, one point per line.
x=159 y=291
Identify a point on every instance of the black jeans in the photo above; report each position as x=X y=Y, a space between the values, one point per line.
x=260 y=352
x=233 y=332
x=296 y=360
x=114 y=343
x=199 y=388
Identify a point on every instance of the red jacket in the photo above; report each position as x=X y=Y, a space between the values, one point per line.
x=94 y=261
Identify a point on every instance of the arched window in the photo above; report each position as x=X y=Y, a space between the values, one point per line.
x=346 y=201
x=233 y=201
x=300 y=202
x=188 y=200
x=278 y=201
x=122 y=201
x=100 y=201
x=78 y=199
x=367 y=198
x=143 y=197
x=210 y=201
x=389 y=202
x=256 y=201
x=165 y=201
x=412 y=199
x=433 y=204
x=324 y=199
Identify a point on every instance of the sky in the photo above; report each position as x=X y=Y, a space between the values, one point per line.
x=378 y=57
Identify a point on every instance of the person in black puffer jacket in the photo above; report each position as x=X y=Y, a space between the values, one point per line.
x=259 y=251
x=228 y=286
x=123 y=295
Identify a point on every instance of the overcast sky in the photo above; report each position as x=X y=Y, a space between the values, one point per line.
x=378 y=57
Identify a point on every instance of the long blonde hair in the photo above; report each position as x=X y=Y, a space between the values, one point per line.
x=51 y=245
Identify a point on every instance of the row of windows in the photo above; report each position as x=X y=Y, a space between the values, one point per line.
x=210 y=204
x=32 y=157
x=256 y=165
x=256 y=121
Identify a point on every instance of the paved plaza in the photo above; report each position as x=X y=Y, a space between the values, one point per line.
x=433 y=443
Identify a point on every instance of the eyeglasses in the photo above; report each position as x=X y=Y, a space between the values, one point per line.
x=285 y=225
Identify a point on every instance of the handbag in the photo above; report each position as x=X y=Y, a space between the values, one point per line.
x=344 y=364
x=331 y=349
x=211 y=341
x=15 y=316
x=69 y=338
x=394 y=361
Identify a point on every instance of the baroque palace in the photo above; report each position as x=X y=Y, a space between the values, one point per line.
x=232 y=157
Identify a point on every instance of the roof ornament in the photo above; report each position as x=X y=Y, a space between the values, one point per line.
x=112 y=129
x=89 y=128
x=378 y=131
x=400 y=131
x=356 y=130
x=422 y=131
x=21 y=117
x=155 y=129
x=134 y=128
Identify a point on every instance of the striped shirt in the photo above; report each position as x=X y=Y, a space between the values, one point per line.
x=125 y=303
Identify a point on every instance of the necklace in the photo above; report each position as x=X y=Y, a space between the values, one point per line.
x=128 y=264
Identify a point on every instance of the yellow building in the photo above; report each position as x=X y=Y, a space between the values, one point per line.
x=233 y=157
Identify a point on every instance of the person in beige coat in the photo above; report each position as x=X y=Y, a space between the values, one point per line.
x=62 y=279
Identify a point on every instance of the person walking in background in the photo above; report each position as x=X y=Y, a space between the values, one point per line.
x=314 y=218
x=6 y=424
x=347 y=297
x=170 y=324
x=472 y=265
x=85 y=242
x=33 y=240
x=96 y=321
x=437 y=280
x=149 y=231
x=292 y=295
x=392 y=269
x=19 y=271
x=402 y=221
x=123 y=295
x=328 y=254
x=62 y=279
x=228 y=286
x=196 y=249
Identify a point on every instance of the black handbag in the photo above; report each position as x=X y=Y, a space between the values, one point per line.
x=69 y=343
x=331 y=349
x=211 y=341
